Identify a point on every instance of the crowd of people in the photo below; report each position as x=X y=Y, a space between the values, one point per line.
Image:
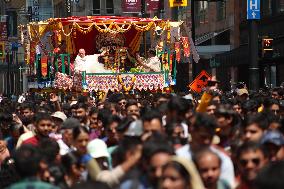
x=153 y=141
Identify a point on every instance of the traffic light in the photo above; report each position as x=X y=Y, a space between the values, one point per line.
x=2 y=50
x=267 y=47
x=267 y=44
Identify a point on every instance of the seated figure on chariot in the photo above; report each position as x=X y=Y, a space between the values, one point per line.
x=152 y=63
x=89 y=63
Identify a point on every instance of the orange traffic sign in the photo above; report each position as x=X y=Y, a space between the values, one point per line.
x=200 y=81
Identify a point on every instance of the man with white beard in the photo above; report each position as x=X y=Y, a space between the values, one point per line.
x=89 y=63
x=80 y=61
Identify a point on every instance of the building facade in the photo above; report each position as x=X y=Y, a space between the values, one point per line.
x=269 y=26
x=10 y=73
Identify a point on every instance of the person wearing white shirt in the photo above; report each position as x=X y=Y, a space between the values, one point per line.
x=203 y=130
x=80 y=61
x=89 y=63
x=152 y=63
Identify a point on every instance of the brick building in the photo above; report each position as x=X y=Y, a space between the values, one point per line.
x=222 y=40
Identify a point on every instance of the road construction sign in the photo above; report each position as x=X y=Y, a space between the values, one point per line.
x=200 y=82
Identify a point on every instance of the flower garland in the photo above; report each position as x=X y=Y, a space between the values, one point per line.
x=143 y=28
x=126 y=89
x=84 y=30
x=67 y=35
x=121 y=28
x=112 y=28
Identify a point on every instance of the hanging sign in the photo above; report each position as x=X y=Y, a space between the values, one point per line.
x=178 y=3
x=131 y=6
x=152 y=5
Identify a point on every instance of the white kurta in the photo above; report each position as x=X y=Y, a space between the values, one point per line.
x=154 y=64
x=90 y=64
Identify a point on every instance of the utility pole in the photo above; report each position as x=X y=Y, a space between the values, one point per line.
x=253 y=56
x=143 y=14
x=193 y=37
x=8 y=58
x=253 y=15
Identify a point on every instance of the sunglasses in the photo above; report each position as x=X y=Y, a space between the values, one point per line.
x=275 y=111
x=255 y=161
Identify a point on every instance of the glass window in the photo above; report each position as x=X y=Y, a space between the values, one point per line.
x=12 y=24
x=280 y=6
x=201 y=8
x=266 y=7
x=221 y=10
x=96 y=6
x=109 y=7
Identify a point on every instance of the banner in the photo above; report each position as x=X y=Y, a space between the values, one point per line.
x=131 y=6
x=186 y=48
x=177 y=49
x=44 y=66
x=68 y=7
x=178 y=3
x=171 y=63
x=3 y=29
x=152 y=5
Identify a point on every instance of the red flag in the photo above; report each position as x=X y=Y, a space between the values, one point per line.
x=186 y=47
x=44 y=66
x=177 y=49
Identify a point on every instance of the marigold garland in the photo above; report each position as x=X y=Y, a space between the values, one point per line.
x=111 y=28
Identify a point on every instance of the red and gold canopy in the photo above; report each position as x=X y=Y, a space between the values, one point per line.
x=81 y=32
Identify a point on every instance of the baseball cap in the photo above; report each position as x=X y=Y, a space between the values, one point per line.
x=97 y=148
x=70 y=123
x=59 y=115
x=243 y=91
x=135 y=129
x=274 y=137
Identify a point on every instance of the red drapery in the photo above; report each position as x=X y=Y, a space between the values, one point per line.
x=88 y=41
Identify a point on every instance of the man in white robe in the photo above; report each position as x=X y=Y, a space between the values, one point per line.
x=89 y=63
x=80 y=61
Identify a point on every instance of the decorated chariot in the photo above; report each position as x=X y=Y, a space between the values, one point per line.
x=51 y=48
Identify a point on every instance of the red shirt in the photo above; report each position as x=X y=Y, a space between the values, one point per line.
x=33 y=141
